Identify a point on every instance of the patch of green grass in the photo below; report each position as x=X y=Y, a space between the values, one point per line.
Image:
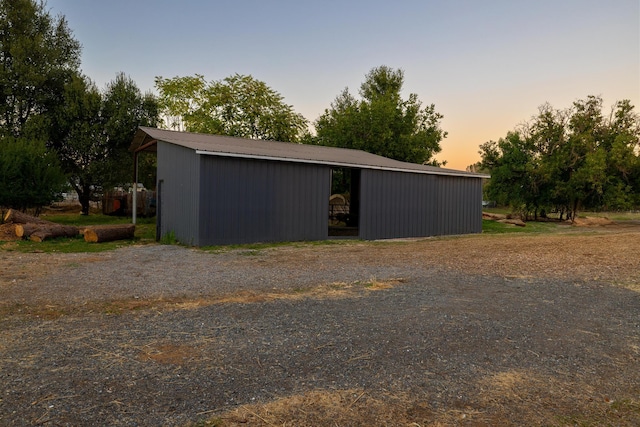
x=498 y=210
x=169 y=239
x=494 y=227
x=93 y=219
x=255 y=248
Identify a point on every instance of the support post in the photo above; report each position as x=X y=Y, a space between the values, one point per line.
x=134 y=197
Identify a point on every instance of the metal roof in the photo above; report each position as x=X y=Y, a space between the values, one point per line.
x=227 y=146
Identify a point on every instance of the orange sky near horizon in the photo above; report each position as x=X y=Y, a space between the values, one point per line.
x=487 y=66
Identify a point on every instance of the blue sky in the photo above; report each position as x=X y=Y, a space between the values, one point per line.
x=486 y=64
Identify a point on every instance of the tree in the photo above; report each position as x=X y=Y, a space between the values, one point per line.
x=381 y=122
x=622 y=145
x=568 y=160
x=94 y=130
x=38 y=56
x=30 y=176
x=515 y=177
x=124 y=109
x=236 y=106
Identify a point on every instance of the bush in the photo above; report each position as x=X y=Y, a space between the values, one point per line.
x=30 y=175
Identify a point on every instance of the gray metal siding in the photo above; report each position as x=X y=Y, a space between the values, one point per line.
x=178 y=171
x=395 y=204
x=459 y=205
x=245 y=200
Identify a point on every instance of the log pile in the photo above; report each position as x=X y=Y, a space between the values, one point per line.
x=38 y=230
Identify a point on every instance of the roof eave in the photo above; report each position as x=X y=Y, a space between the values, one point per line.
x=447 y=172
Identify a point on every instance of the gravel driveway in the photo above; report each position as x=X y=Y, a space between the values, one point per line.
x=450 y=331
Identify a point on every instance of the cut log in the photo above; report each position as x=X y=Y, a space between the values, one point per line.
x=109 y=233
x=46 y=231
x=8 y=232
x=18 y=217
x=26 y=230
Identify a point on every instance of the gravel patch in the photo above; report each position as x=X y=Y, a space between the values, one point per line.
x=391 y=319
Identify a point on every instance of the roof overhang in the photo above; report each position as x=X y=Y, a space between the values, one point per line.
x=447 y=172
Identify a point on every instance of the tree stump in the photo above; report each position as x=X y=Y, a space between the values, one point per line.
x=109 y=233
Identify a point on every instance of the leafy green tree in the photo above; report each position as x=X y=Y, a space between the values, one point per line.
x=622 y=145
x=30 y=176
x=569 y=160
x=381 y=122
x=38 y=56
x=238 y=105
x=124 y=108
x=94 y=131
x=548 y=133
x=583 y=165
x=515 y=177
x=80 y=140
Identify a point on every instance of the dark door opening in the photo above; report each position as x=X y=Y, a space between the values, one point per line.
x=344 y=203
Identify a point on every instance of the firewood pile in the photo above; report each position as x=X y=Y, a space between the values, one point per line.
x=37 y=230
x=505 y=219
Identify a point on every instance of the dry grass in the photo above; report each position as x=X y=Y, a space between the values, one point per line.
x=168 y=353
x=117 y=307
x=500 y=398
x=604 y=254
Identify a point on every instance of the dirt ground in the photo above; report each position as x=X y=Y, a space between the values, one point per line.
x=477 y=330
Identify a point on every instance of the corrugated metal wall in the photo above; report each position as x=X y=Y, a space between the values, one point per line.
x=395 y=204
x=459 y=205
x=178 y=185
x=246 y=200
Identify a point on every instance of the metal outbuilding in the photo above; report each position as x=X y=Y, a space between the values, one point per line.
x=216 y=190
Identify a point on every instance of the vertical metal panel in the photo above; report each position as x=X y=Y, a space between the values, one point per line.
x=178 y=170
x=396 y=204
x=246 y=200
x=459 y=205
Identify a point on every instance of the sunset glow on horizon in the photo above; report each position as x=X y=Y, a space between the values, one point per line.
x=487 y=66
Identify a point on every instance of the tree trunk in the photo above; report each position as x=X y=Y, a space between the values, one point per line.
x=84 y=197
x=84 y=203
x=52 y=231
x=108 y=233
x=18 y=217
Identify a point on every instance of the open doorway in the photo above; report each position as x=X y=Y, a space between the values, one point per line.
x=344 y=203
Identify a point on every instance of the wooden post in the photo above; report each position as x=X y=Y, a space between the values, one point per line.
x=134 y=202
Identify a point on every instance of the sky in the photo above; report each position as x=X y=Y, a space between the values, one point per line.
x=487 y=65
